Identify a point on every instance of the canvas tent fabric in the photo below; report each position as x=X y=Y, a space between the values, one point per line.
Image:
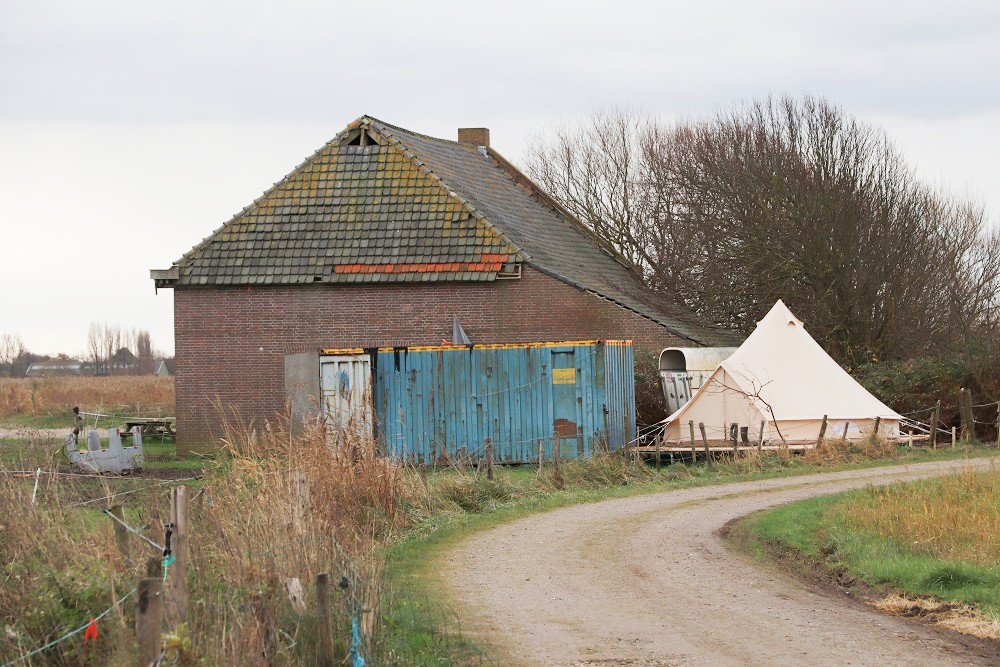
x=782 y=377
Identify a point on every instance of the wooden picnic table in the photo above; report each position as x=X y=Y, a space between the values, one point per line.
x=152 y=426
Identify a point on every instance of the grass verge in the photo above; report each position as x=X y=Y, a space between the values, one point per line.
x=927 y=548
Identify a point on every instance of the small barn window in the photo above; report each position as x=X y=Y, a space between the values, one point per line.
x=509 y=270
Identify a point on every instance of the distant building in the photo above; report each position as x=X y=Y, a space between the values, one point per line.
x=123 y=362
x=56 y=368
x=163 y=367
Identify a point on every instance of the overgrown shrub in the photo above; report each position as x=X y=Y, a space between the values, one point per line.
x=649 y=405
x=915 y=385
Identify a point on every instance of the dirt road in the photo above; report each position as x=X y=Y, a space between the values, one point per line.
x=648 y=581
x=34 y=434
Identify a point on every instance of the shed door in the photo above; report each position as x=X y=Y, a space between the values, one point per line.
x=346 y=382
x=567 y=402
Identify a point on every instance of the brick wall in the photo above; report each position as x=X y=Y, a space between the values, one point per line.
x=231 y=343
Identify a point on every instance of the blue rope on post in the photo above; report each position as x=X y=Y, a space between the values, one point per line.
x=357 y=660
x=168 y=556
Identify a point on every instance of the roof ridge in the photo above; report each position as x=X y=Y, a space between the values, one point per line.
x=403 y=129
x=410 y=154
x=198 y=247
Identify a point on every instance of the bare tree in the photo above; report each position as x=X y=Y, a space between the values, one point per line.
x=144 y=352
x=783 y=198
x=96 y=348
x=113 y=350
x=12 y=350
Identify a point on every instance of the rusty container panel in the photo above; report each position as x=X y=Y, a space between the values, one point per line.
x=437 y=404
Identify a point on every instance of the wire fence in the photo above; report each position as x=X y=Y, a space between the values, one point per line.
x=134 y=531
x=71 y=633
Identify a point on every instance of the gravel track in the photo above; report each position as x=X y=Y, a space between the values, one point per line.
x=648 y=581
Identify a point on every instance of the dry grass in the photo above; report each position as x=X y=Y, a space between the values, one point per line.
x=254 y=526
x=833 y=451
x=58 y=395
x=958 y=617
x=59 y=567
x=292 y=507
x=956 y=517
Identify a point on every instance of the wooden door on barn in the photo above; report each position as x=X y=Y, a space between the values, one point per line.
x=346 y=384
x=567 y=402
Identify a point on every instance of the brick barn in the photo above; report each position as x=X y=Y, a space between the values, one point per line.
x=382 y=238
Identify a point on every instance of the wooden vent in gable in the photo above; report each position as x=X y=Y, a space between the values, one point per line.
x=363 y=137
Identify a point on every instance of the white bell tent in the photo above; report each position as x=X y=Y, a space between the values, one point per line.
x=782 y=378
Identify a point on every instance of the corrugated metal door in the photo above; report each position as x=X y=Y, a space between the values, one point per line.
x=346 y=382
x=567 y=403
x=620 y=392
x=676 y=389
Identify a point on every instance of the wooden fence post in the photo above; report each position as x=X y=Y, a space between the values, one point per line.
x=657 y=454
x=557 y=454
x=734 y=435
x=149 y=619
x=177 y=593
x=541 y=455
x=324 y=655
x=694 y=451
x=263 y=632
x=963 y=419
x=293 y=589
x=704 y=440
x=968 y=417
x=121 y=535
x=423 y=474
x=627 y=437
x=998 y=424
x=952 y=437
x=301 y=499
x=878 y=424
x=935 y=419
x=847 y=426
x=822 y=432
x=760 y=442
x=489 y=459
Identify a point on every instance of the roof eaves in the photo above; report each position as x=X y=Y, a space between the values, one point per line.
x=590 y=290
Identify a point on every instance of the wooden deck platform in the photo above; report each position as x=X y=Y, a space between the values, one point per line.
x=726 y=446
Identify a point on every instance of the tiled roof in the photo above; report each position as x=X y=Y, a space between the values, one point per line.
x=409 y=207
x=351 y=213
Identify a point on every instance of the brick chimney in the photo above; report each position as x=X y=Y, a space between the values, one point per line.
x=476 y=136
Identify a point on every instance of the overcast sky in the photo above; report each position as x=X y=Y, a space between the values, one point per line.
x=131 y=130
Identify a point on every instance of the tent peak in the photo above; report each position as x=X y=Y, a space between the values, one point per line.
x=781 y=313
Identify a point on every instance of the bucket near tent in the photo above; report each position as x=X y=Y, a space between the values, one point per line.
x=778 y=386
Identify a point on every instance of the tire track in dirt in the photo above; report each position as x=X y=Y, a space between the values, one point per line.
x=648 y=581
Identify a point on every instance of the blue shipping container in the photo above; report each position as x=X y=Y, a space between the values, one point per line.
x=433 y=404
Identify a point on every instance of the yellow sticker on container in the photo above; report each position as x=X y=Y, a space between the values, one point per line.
x=563 y=376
